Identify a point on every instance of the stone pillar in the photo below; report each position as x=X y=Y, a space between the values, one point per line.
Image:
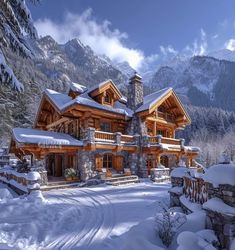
x=142 y=168
x=90 y=135
x=159 y=139
x=40 y=166
x=86 y=165
x=182 y=143
x=118 y=136
x=133 y=163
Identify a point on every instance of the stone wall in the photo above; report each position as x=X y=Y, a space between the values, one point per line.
x=223 y=224
x=224 y=192
x=224 y=227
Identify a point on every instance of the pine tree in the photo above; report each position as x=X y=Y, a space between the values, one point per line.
x=15 y=22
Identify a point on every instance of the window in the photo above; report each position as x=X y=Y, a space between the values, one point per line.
x=107 y=161
x=160 y=132
x=107 y=98
x=105 y=126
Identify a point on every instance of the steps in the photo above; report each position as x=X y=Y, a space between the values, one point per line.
x=59 y=185
x=122 y=180
x=161 y=179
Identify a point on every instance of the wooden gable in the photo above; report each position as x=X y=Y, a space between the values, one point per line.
x=106 y=93
x=168 y=108
x=46 y=114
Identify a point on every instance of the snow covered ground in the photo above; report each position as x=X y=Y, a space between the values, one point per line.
x=99 y=217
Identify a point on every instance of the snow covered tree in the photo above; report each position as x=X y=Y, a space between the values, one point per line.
x=15 y=24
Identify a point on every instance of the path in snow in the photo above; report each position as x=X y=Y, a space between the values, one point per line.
x=79 y=218
x=103 y=213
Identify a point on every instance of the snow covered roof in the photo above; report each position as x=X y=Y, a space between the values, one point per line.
x=76 y=87
x=86 y=100
x=220 y=174
x=44 y=138
x=103 y=84
x=57 y=98
x=63 y=101
x=99 y=85
x=151 y=99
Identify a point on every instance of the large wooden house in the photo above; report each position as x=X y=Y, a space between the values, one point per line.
x=95 y=129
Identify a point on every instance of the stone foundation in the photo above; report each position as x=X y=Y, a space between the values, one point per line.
x=224 y=227
x=160 y=174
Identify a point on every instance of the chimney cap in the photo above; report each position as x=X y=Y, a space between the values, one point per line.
x=136 y=76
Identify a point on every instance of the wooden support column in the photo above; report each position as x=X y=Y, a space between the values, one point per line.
x=189 y=161
x=154 y=128
x=158 y=160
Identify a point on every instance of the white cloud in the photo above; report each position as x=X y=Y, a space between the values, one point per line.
x=99 y=36
x=168 y=50
x=230 y=44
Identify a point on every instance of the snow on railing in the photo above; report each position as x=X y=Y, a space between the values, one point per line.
x=26 y=182
x=195 y=189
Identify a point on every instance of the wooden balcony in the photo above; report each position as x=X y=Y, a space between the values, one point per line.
x=93 y=135
x=164 y=140
x=165 y=116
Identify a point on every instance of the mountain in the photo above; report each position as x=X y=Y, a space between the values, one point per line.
x=223 y=54
x=52 y=66
x=206 y=81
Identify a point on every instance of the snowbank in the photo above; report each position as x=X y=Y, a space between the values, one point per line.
x=179 y=172
x=220 y=174
x=5 y=194
x=192 y=206
x=30 y=180
x=217 y=205
x=202 y=240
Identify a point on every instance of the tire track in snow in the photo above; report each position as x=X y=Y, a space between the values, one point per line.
x=96 y=220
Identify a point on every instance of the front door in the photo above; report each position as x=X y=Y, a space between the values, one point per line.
x=58 y=166
x=149 y=163
x=164 y=161
x=99 y=163
x=118 y=163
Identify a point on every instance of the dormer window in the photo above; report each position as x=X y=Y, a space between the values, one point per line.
x=107 y=99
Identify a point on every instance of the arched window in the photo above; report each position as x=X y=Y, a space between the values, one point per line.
x=107 y=161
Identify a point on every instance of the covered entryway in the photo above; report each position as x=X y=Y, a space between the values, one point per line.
x=164 y=161
x=149 y=162
x=54 y=165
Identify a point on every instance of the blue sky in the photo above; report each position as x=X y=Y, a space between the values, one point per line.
x=140 y=30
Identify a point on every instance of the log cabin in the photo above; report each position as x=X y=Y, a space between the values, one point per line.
x=95 y=130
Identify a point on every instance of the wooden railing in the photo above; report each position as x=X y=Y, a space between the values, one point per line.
x=106 y=136
x=195 y=189
x=127 y=139
x=173 y=141
x=165 y=116
x=114 y=137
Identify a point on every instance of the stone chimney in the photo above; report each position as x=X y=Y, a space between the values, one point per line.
x=135 y=92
